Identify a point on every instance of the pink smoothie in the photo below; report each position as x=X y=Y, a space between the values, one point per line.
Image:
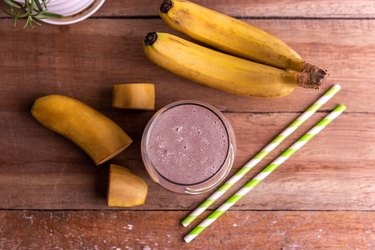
x=188 y=144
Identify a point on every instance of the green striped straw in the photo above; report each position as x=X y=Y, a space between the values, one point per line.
x=263 y=153
x=265 y=172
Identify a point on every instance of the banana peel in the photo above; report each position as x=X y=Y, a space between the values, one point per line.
x=222 y=71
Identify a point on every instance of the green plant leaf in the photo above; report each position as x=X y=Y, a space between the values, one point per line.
x=53 y=15
x=7 y=12
x=32 y=10
x=29 y=6
x=39 y=5
x=13 y=4
x=45 y=3
x=14 y=22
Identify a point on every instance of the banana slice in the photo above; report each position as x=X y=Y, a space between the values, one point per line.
x=125 y=189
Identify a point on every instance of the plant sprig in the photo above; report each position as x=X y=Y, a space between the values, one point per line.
x=31 y=10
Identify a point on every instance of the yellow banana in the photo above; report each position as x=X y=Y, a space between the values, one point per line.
x=229 y=34
x=223 y=71
x=125 y=189
x=96 y=134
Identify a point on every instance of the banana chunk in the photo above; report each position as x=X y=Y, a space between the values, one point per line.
x=96 y=134
x=125 y=188
x=134 y=96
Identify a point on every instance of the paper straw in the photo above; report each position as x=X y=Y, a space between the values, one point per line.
x=263 y=153
x=265 y=172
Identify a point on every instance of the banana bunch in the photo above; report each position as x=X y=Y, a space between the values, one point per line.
x=257 y=63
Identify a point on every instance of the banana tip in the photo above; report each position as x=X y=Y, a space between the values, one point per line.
x=165 y=6
x=150 y=38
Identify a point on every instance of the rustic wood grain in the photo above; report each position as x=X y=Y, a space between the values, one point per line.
x=257 y=8
x=160 y=230
x=85 y=59
x=41 y=170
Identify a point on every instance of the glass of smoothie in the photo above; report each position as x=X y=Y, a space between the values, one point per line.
x=188 y=147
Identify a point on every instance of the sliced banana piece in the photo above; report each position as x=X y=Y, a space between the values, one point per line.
x=125 y=188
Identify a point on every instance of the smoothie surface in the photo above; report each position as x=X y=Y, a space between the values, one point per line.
x=188 y=144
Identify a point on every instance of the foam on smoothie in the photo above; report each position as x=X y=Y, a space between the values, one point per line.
x=188 y=144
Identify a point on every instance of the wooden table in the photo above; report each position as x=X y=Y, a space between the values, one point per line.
x=53 y=197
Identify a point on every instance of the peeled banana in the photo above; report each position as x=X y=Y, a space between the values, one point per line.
x=230 y=35
x=222 y=71
x=125 y=188
x=96 y=134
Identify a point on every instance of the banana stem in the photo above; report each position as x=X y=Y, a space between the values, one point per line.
x=311 y=77
x=165 y=6
x=150 y=38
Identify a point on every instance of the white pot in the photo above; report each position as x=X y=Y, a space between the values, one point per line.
x=73 y=10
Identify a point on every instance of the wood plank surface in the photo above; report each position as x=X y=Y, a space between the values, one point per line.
x=41 y=170
x=160 y=230
x=53 y=196
x=257 y=8
x=245 y=8
x=84 y=60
